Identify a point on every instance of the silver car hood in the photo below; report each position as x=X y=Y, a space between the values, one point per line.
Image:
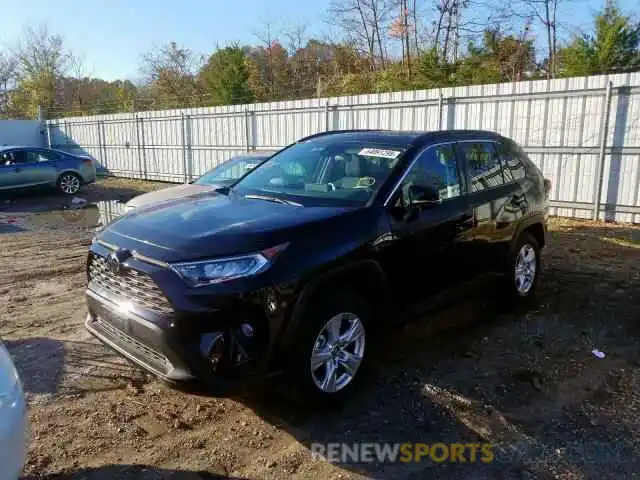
x=179 y=191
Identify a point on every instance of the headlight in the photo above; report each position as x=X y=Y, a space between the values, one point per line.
x=10 y=387
x=208 y=272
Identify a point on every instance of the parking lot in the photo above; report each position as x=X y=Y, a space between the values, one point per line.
x=526 y=380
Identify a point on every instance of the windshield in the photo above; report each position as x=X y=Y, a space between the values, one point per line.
x=339 y=171
x=231 y=170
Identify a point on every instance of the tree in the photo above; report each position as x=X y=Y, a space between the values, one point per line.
x=41 y=61
x=225 y=77
x=170 y=71
x=613 y=48
x=363 y=21
x=8 y=72
x=401 y=29
x=546 y=12
x=272 y=70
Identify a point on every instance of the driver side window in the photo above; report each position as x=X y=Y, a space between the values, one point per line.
x=435 y=169
x=293 y=169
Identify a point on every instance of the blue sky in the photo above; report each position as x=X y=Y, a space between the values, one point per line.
x=111 y=36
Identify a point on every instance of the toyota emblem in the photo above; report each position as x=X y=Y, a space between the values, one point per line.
x=115 y=259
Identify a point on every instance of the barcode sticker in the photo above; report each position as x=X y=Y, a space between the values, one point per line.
x=376 y=152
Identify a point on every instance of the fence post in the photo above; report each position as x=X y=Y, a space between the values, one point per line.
x=140 y=162
x=48 y=127
x=187 y=131
x=247 y=130
x=184 y=147
x=143 y=148
x=440 y=109
x=100 y=157
x=105 y=161
x=326 y=116
x=604 y=133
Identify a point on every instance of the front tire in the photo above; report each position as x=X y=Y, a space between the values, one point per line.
x=329 y=349
x=69 y=183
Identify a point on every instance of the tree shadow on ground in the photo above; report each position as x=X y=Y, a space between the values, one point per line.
x=49 y=367
x=523 y=379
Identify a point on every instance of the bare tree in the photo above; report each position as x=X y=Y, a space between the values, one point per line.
x=401 y=29
x=8 y=73
x=447 y=28
x=363 y=21
x=545 y=11
x=414 y=12
x=296 y=36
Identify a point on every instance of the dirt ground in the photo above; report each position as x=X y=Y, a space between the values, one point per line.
x=525 y=380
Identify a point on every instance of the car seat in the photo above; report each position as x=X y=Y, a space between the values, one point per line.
x=351 y=173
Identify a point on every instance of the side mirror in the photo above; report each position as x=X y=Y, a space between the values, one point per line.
x=423 y=196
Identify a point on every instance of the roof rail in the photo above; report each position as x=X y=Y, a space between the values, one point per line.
x=329 y=132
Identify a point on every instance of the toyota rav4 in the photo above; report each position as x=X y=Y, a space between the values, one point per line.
x=295 y=266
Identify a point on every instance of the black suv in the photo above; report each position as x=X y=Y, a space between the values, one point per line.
x=295 y=266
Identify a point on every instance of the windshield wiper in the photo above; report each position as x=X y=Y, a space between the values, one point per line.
x=273 y=199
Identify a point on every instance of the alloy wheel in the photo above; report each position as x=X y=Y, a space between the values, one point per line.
x=525 y=269
x=69 y=184
x=338 y=352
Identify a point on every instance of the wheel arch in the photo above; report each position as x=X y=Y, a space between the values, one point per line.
x=364 y=278
x=536 y=226
x=70 y=170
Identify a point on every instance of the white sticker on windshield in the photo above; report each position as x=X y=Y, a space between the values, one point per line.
x=376 y=152
x=251 y=166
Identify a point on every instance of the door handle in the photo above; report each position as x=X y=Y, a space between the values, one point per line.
x=466 y=224
x=518 y=200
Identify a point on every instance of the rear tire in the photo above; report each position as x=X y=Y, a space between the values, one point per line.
x=329 y=349
x=69 y=183
x=524 y=268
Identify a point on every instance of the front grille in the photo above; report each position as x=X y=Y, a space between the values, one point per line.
x=129 y=284
x=154 y=360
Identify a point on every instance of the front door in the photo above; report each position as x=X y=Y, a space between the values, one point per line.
x=38 y=168
x=12 y=169
x=432 y=242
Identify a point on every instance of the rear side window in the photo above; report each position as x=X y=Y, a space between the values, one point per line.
x=513 y=161
x=483 y=162
x=33 y=156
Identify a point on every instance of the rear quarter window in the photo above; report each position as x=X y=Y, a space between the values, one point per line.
x=515 y=162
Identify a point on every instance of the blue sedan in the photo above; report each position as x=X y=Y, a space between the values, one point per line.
x=24 y=167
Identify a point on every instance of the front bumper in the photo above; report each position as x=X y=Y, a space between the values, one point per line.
x=14 y=435
x=222 y=338
x=176 y=355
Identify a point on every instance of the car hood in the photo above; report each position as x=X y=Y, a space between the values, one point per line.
x=212 y=225
x=169 y=193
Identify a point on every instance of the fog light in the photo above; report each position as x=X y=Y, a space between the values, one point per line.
x=212 y=347
x=247 y=330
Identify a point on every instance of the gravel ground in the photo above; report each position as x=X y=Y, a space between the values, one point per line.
x=525 y=380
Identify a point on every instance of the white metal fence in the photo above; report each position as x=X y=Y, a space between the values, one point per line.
x=583 y=133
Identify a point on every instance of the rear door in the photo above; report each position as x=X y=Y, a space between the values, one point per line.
x=431 y=248
x=497 y=200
